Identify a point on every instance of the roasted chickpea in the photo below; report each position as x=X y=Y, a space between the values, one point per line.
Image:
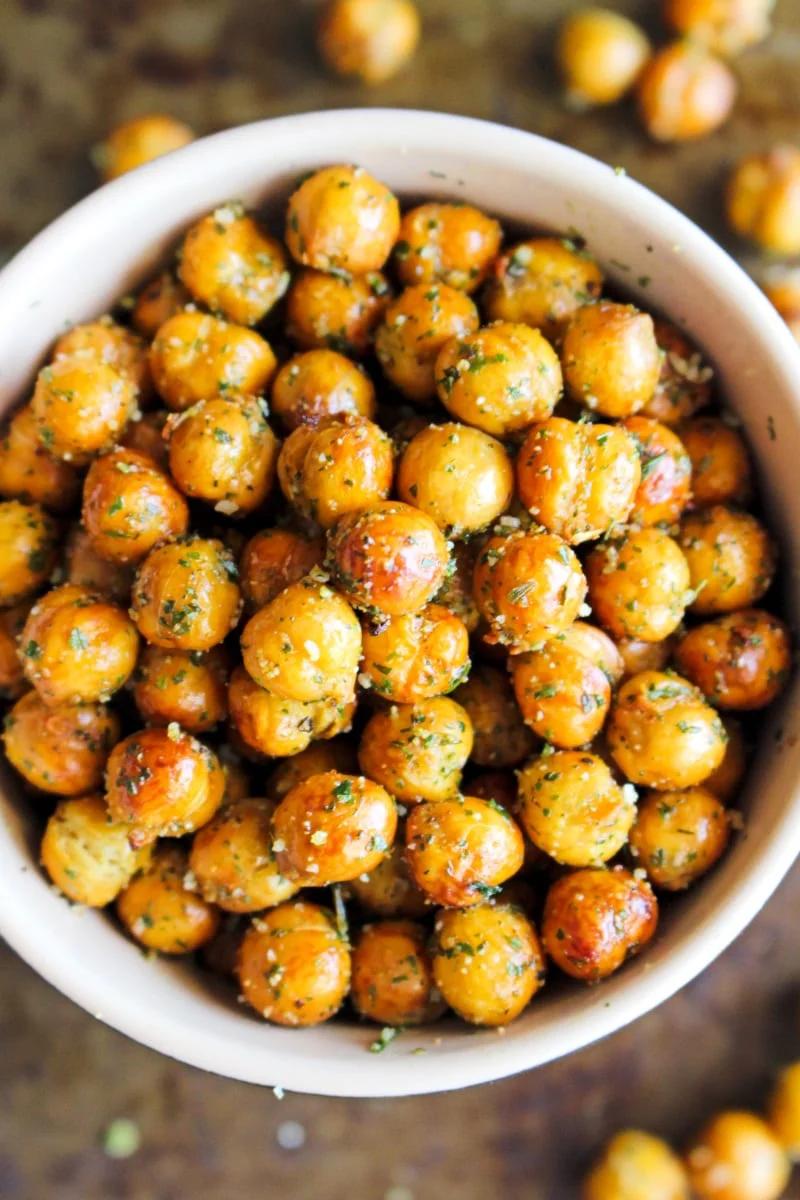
x=542 y=282
x=737 y=1157
x=341 y=219
x=645 y=656
x=763 y=199
x=685 y=93
x=77 y=647
x=81 y=407
x=639 y=586
x=576 y=479
x=84 y=567
x=417 y=751
x=187 y=687
x=112 y=344
x=12 y=676
x=595 y=919
x=724 y=783
x=501 y=379
x=277 y=727
x=293 y=965
x=195 y=356
x=636 y=1166
x=595 y=646
x=501 y=739
x=87 y=854
x=160 y=299
x=159 y=910
x=129 y=506
x=460 y=851
x=62 y=749
x=139 y=141
x=563 y=696
x=416 y=657
x=684 y=384
x=185 y=596
x=28 y=472
x=233 y=861
x=337 y=755
x=320 y=384
x=783 y=1112
x=662 y=734
x=332 y=828
x=388 y=889
x=721 y=469
x=600 y=54
x=529 y=587
x=666 y=483
x=456 y=593
x=611 y=358
x=28 y=550
x=739 y=661
x=731 y=557
x=679 y=836
x=725 y=26
x=370 y=39
x=487 y=962
x=393 y=976
x=146 y=436
x=164 y=783
x=336 y=312
x=342 y=465
x=453 y=244
x=273 y=559
x=415 y=328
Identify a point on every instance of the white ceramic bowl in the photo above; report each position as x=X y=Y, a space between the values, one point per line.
x=86 y=259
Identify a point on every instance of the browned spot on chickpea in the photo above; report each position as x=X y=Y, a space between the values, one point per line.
x=320 y=384
x=739 y=661
x=600 y=54
x=273 y=559
x=684 y=93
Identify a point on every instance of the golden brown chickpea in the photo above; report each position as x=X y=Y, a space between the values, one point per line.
x=501 y=379
x=563 y=696
x=390 y=558
x=487 y=962
x=684 y=385
x=77 y=647
x=332 y=828
x=542 y=282
x=129 y=506
x=666 y=484
x=783 y=1111
x=393 y=976
x=112 y=344
x=601 y=55
x=195 y=356
x=415 y=328
x=139 y=141
x=725 y=781
x=576 y=479
x=721 y=469
x=737 y=1157
x=160 y=299
x=679 y=836
x=636 y=1166
x=416 y=657
x=739 y=661
x=335 y=312
x=342 y=465
x=233 y=861
x=529 y=587
x=159 y=910
x=87 y=854
x=81 y=406
x=341 y=219
x=164 y=783
x=597 y=646
x=187 y=687
x=370 y=39
x=316 y=759
x=453 y=244
x=594 y=919
x=273 y=559
x=662 y=734
x=61 y=750
x=460 y=851
x=611 y=358
x=28 y=472
x=639 y=586
x=725 y=26
x=12 y=677
x=731 y=557
x=320 y=384
x=146 y=436
x=685 y=93
x=456 y=593
x=388 y=890
x=417 y=751
x=232 y=267
x=278 y=727
x=28 y=550
x=293 y=966
x=461 y=477
x=84 y=567
x=501 y=738
x=763 y=199
x=185 y=596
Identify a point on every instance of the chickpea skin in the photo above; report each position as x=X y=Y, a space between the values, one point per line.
x=372 y=40
x=721 y=468
x=138 y=141
x=184 y=686
x=341 y=219
x=415 y=329
x=81 y=407
x=160 y=912
x=740 y=661
x=233 y=861
x=679 y=836
x=600 y=54
x=29 y=473
x=610 y=358
x=636 y=1166
x=185 y=596
x=273 y=726
x=737 y=1157
x=542 y=282
x=731 y=558
x=340 y=466
x=28 y=550
x=393 y=977
x=87 y=854
x=417 y=751
x=129 y=506
x=195 y=356
x=639 y=586
x=640 y=656
x=454 y=244
x=273 y=559
x=331 y=312
x=685 y=93
x=684 y=384
x=320 y=384
x=416 y=657
x=60 y=749
x=726 y=27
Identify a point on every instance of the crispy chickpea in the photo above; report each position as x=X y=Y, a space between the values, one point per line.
x=563 y=696
x=81 y=407
x=662 y=734
x=342 y=465
x=332 y=828
x=684 y=384
x=684 y=93
x=164 y=783
x=138 y=141
x=195 y=356
x=84 y=567
x=501 y=738
x=611 y=358
x=160 y=912
x=487 y=962
x=577 y=479
x=783 y=1111
x=28 y=472
x=456 y=593
x=725 y=26
x=223 y=451
x=417 y=751
x=61 y=750
x=416 y=657
x=185 y=596
x=341 y=219
x=666 y=484
x=640 y=656
x=233 y=861
x=739 y=661
x=453 y=244
x=336 y=312
x=501 y=379
x=542 y=282
x=12 y=677
x=388 y=889
x=316 y=759
x=763 y=199
x=28 y=550
x=460 y=851
x=86 y=852
x=679 y=836
x=112 y=344
x=737 y=1157
x=129 y=506
x=293 y=965
x=726 y=780
x=277 y=727
x=731 y=557
x=597 y=647
x=639 y=586
x=370 y=39
x=320 y=384
x=77 y=647
x=160 y=299
x=461 y=477
x=188 y=687
x=721 y=468
x=594 y=919
x=389 y=558
x=636 y=1166
x=146 y=436
x=273 y=559
x=529 y=587
x=393 y=976
x=600 y=54
x=415 y=328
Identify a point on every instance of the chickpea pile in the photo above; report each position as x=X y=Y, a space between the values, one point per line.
x=318 y=477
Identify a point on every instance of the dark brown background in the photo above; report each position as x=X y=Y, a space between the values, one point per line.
x=69 y=69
